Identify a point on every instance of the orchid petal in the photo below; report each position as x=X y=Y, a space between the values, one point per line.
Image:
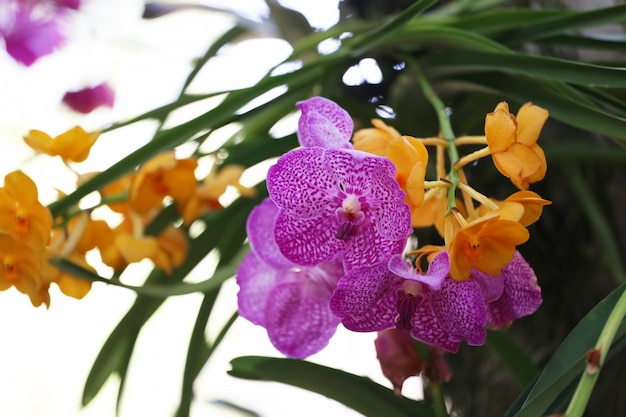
x=301 y=184
x=425 y=327
x=521 y=295
x=460 y=310
x=438 y=270
x=299 y=321
x=260 y=229
x=359 y=289
x=256 y=280
x=324 y=123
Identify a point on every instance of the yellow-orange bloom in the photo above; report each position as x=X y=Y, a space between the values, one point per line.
x=513 y=145
x=20 y=267
x=68 y=284
x=73 y=145
x=21 y=214
x=205 y=196
x=375 y=139
x=408 y=154
x=487 y=244
x=162 y=176
x=167 y=251
x=533 y=205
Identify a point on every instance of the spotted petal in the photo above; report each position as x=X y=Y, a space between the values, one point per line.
x=438 y=270
x=302 y=185
x=324 y=123
x=260 y=228
x=256 y=280
x=426 y=328
x=308 y=241
x=360 y=289
x=521 y=295
x=299 y=320
x=460 y=310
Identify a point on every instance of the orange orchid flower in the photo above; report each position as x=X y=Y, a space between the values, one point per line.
x=408 y=154
x=20 y=267
x=21 y=214
x=487 y=244
x=512 y=142
x=73 y=145
x=162 y=176
x=375 y=139
x=206 y=195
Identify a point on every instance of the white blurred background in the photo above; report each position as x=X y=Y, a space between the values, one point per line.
x=45 y=355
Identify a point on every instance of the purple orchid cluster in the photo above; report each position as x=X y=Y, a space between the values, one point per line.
x=327 y=248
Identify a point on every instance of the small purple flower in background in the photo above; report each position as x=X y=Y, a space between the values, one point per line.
x=32 y=29
x=433 y=307
x=334 y=203
x=88 y=99
x=290 y=301
x=324 y=123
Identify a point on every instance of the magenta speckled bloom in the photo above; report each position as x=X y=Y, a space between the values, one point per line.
x=511 y=295
x=291 y=302
x=324 y=123
x=88 y=99
x=433 y=307
x=335 y=202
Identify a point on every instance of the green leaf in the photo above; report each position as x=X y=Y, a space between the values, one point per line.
x=417 y=35
x=359 y=393
x=535 y=66
x=565 y=22
x=158 y=290
x=115 y=354
x=567 y=363
x=551 y=95
x=493 y=22
x=513 y=356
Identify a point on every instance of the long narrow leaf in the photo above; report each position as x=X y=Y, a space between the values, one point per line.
x=359 y=393
x=535 y=66
x=568 y=361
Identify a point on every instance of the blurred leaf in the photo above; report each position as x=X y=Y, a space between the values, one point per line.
x=117 y=349
x=595 y=42
x=358 y=393
x=513 y=356
x=420 y=34
x=536 y=66
x=549 y=95
x=568 y=361
x=566 y=21
x=495 y=21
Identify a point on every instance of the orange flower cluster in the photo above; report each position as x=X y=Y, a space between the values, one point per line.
x=29 y=240
x=484 y=238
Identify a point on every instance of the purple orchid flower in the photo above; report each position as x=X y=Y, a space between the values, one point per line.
x=324 y=123
x=290 y=301
x=337 y=203
x=433 y=307
x=511 y=295
x=32 y=30
x=88 y=99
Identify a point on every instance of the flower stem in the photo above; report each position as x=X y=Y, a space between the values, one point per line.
x=438 y=402
x=446 y=131
x=595 y=359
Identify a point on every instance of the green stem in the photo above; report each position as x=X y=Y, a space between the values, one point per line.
x=581 y=396
x=438 y=402
x=446 y=131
